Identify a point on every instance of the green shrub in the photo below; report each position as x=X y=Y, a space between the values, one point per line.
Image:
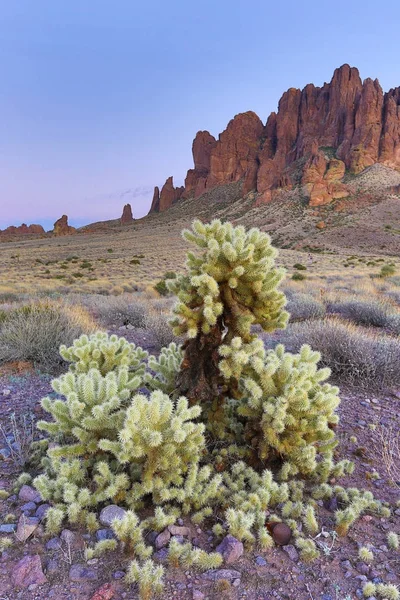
x=161 y=286
x=299 y=267
x=387 y=271
x=298 y=277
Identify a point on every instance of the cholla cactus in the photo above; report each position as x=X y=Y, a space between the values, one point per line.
x=186 y=556
x=230 y=286
x=164 y=369
x=148 y=576
x=160 y=436
x=105 y=353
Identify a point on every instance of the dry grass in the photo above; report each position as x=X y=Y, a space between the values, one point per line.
x=387 y=446
x=34 y=332
x=355 y=355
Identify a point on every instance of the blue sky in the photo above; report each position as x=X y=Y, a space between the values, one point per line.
x=100 y=100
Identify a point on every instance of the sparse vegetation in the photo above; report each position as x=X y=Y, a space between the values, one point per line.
x=298 y=277
x=35 y=331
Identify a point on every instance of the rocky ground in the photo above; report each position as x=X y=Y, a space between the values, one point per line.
x=36 y=567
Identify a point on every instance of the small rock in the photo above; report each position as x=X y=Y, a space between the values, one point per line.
x=361 y=578
x=198 y=595
x=26 y=526
x=162 y=539
x=161 y=555
x=106 y=592
x=176 y=530
x=180 y=539
x=119 y=574
x=52 y=567
x=28 y=571
x=331 y=504
x=29 y=494
x=8 y=528
x=326 y=597
x=236 y=583
x=180 y=522
x=41 y=511
x=359 y=593
x=5 y=453
x=111 y=512
x=291 y=552
x=28 y=507
x=362 y=568
x=53 y=544
x=377 y=580
x=348 y=574
x=216 y=574
x=80 y=572
x=260 y=561
x=230 y=548
x=6 y=392
x=346 y=564
x=104 y=534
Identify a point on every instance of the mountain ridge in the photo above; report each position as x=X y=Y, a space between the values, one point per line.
x=317 y=136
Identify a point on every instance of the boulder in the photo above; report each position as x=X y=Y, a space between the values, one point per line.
x=28 y=571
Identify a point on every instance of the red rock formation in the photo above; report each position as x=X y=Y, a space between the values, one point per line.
x=155 y=204
x=169 y=195
x=127 y=216
x=23 y=230
x=203 y=144
x=61 y=227
x=316 y=135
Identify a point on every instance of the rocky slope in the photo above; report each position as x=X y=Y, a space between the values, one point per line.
x=319 y=137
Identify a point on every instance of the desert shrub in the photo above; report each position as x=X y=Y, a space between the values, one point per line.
x=373 y=313
x=299 y=267
x=35 y=331
x=161 y=286
x=8 y=297
x=217 y=428
x=298 y=277
x=158 y=322
x=387 y=271
x=353 y=355
x=121 y=310
x=304 y=306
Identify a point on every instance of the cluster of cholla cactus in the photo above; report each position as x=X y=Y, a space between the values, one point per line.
x=216 y=427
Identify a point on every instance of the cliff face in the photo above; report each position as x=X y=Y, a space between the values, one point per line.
x=317 y=135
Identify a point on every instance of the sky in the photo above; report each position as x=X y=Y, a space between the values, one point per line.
x=100 y=100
